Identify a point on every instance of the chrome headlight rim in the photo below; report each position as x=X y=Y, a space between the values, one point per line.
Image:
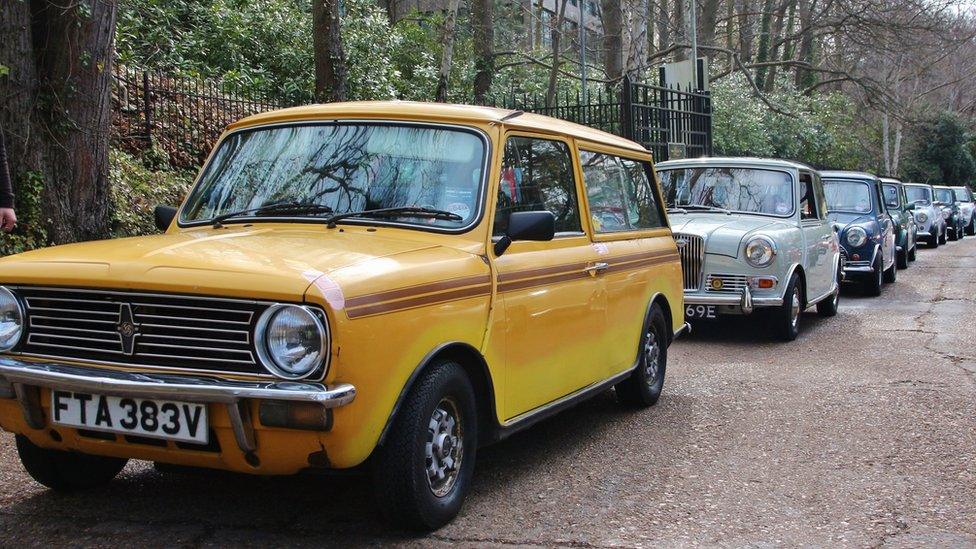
x=861 y=235
x=921 y=217
x=22 y=317
x=770 y=244
x=265 y=356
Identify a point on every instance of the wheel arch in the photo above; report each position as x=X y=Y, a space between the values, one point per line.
x=476 y=368
x=797 y=269
x=662 y=301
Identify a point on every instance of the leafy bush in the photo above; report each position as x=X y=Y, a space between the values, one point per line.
x=136 y=190
x=31 y=232
x=941 y=151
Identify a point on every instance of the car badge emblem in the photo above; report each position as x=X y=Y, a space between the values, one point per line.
x=127 y=328
x=717 y=283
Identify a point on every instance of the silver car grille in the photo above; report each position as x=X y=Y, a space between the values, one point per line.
x=691 y=248
x=730 y=284
x=172 y=331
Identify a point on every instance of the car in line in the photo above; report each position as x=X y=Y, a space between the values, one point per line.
x=902 y=214
x=955 y=225
x=389 y=285
x=967 y=208
x=867 y=233
x=928 y=216
x=754 y=239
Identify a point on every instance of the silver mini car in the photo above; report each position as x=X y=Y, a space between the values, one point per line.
x=928 y=216
x=753 y=235
x=967 y=207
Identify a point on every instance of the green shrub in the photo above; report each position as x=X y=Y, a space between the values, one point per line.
x=137 y=190
x=31 y=230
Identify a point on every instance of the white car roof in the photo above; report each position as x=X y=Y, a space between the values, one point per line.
x=732 y=161
x=845 y=174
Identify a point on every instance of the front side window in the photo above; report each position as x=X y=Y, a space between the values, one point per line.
x=848 y=196
x=963 y=194
x=744 y=190
x=620 y=193
x=345 y=168
x=917 y=193
x=537 y=174
x=891 y=196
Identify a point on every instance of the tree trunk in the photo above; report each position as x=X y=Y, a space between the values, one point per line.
x=779 y=19
x=681 y=29
x=762 y=55
x=635 y=34
x=663 y=25
x=483 y=23
x=746 y=31
x=613 y=42
x=447 y=54
x=708 y=21
x=556 y=29
x=56 y=108
x=805 y=78
x=331 y=73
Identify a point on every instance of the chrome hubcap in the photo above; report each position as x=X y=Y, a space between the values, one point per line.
x=652 y=357
x=795 y=309
x=445 y=447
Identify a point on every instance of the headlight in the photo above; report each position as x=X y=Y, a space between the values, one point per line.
x=946 y=214
x=921 y=217
x=11 y=320
x=291 y=341
x=856 y=237
x=760 y=251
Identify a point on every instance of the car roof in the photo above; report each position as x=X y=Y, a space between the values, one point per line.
x=941 y=187
x=436 y=112
x=847 y=174
x=918 y=184
x=891 y=181
x=733 y=161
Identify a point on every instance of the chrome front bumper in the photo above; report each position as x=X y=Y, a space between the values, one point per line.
x=744 y=302
x=20 y=379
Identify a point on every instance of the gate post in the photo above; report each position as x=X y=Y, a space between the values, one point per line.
x=627 y=108
x=147 y=107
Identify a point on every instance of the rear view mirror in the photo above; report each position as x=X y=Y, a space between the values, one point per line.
x=537 y=225
x=164 y=216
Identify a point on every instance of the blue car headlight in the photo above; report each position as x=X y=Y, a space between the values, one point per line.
x=856 y=237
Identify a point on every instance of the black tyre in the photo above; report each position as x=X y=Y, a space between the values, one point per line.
x=828 y=307
x=786 y=318
x=912 y=254
x=891 y=273
x=971 y=229
x=873 y=281
x=66 y=471
x=643 y=387
x=934 y=241
x=422 y=473
x=943 y=238
x=954 y=236
x=901 y=259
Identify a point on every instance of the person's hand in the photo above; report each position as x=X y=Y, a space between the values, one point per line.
x=8 y=219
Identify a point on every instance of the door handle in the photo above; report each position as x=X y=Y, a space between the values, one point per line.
x=597 y=268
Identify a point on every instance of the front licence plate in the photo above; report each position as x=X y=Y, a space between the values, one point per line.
x=181 y=421
x=698 y=312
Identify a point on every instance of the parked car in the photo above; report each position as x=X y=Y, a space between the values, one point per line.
x=867 y=233
x=928 y=216
x=955 y=225
x=967 y=207
x=902 y=213
x=390 y=284
x=753 y=236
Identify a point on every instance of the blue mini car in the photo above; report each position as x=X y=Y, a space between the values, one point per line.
x=857 y=208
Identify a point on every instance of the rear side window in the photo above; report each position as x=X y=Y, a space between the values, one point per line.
x=537 y=174
x=620 y=193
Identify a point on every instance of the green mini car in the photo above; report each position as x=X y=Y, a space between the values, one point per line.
x=902 y=213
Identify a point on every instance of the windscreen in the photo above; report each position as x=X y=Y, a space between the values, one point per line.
x=747 y=190
x=848 y=196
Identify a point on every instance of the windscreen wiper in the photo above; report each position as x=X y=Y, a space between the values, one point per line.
x=276 y=208
x=705 y=208
x=401 y=211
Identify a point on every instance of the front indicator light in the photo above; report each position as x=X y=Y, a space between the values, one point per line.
x=308 y=416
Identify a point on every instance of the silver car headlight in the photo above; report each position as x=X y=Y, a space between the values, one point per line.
x=856 y=237
x=946 y=214
x=760 y=251
x=291 y=341
x=921 y=217
x=11 y=320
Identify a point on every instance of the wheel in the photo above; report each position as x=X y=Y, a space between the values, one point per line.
x=891 y=273
x=971 y=230
x=955 y=235
x=901 y=259
x=66 y=471
x=872 y=283
x=934 y=241
x=786 y=318
x=422 y=472
x=943 y=235
x=913 y=252
x=643 y=387
x=828 y=307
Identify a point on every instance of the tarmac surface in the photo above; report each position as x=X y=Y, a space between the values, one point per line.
x=861 y=433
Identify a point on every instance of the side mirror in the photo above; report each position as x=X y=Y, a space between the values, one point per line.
x=164 y=216
x=910 y=207
x=538 y=226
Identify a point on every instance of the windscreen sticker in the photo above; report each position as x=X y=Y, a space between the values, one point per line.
x=329 y=288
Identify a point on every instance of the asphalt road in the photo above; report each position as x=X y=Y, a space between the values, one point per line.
x=860 y=433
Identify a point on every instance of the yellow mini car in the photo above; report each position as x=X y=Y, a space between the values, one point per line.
x=382 y=284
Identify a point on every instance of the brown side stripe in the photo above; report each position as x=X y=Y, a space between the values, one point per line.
x=442 y=297
x=533 y=282
x=531 y=273
x=442 y=286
